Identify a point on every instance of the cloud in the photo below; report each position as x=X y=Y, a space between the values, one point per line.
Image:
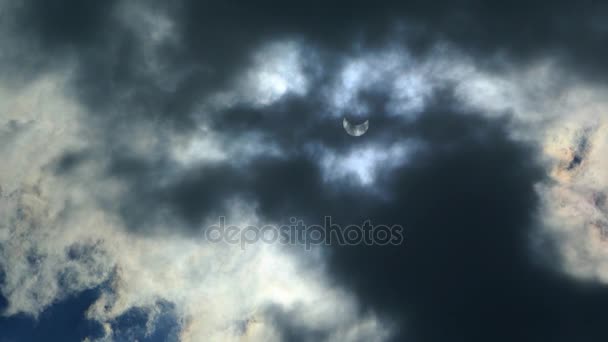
x=59 y=238
x=129 y=127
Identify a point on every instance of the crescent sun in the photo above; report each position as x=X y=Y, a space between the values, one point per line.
x=355 y=130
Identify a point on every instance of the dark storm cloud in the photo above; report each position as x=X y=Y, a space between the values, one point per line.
x=518 y=28
x=291 y=329
x=466 y=271
x=69 y=160
x=66 y=22
x=215 y=40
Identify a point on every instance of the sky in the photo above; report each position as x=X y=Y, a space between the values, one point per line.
x=130 y=130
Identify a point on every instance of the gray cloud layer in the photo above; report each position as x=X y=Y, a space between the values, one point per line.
x=130 y=126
